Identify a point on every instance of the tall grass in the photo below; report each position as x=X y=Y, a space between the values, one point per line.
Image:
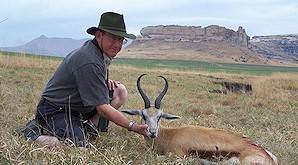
x=268 y=115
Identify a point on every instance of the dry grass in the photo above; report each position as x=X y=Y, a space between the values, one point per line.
x=24 y=61
x=268 y=115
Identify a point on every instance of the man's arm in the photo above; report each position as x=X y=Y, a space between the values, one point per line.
x=110 y=113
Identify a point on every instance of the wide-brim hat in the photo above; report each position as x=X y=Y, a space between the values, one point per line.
x=112 y=23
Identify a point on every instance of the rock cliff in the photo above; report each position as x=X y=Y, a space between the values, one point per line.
x=211 y=43
x=215 y=43
x=196 y=34
x=276 y=46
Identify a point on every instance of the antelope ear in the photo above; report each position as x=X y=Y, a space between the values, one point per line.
x=132 y=112
x=169 y=116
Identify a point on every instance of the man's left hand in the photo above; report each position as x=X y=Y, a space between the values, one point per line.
x=112 y=84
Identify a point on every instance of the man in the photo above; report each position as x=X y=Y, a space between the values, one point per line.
x=78 y=93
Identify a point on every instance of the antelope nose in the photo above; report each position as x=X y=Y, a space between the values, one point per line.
x=152 y=135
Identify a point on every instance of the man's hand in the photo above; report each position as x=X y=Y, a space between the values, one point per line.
x=140 y=129
x=112 y=84
x=110 y=113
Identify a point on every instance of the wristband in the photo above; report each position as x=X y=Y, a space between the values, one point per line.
x=130 y=125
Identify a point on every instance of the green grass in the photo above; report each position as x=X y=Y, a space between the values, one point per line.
x=185 y=65
x=204 y=66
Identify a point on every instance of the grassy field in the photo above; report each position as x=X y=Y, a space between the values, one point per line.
x=268 y=115
x=187 y=65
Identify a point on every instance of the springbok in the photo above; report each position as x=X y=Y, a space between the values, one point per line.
x=206 y=143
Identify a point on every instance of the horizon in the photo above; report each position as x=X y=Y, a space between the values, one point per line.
x=33 y=18
x=90 y=37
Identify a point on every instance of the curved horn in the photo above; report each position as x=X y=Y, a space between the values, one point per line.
x=162 y=94
x=145 y=98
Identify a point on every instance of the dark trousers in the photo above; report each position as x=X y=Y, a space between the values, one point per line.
x=60 y=121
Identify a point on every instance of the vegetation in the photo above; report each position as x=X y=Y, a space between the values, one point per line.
x=268 y=115
x=204 y=66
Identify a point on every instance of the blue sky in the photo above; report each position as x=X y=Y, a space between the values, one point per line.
x=28 y=19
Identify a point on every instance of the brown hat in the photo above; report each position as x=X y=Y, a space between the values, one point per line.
x=112 y=23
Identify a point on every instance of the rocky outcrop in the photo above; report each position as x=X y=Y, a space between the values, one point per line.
x=212 y=33
x=278 y=47
x=213 y=43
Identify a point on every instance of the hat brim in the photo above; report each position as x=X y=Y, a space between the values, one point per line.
x=92 y=31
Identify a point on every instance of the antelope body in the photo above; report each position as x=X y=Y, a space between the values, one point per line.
x=206 y=143
x=209 y=143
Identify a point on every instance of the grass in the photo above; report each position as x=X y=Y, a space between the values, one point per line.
x=185 y=65
x=268 y=115
x=204 y=66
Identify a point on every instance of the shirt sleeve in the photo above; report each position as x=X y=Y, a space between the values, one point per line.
x=91 y=84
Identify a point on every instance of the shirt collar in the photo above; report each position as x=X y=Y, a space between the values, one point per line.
x=106 y=58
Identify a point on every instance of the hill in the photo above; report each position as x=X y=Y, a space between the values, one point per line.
x=278 y=47
x=213 y=43
x=47 y=46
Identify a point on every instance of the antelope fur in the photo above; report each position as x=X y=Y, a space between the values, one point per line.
x=206 y=143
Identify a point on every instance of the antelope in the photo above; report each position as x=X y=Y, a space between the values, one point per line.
x=206 y=143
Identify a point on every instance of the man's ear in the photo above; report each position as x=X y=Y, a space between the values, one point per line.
x=98 y=34
x=169 y=116
x=132 y=112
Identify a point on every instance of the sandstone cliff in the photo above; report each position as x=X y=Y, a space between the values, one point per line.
x=215 y=43
x=196 y=34
x=280 y=47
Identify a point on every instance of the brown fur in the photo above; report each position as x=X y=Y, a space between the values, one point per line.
x=209 y=143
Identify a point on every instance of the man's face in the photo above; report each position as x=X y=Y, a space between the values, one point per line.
x=110 y=43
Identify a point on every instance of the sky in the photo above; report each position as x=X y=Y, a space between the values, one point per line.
x=23 y=20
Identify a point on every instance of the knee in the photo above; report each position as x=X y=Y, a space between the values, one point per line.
x=119 y=96
x=121 y=92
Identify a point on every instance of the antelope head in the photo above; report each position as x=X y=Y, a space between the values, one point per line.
x=152 y=114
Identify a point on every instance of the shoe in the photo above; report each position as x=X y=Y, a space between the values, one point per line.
x=32 y=130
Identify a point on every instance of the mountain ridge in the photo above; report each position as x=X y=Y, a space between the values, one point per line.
x=215 y=43
x=49 y=46
x=210 y=43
